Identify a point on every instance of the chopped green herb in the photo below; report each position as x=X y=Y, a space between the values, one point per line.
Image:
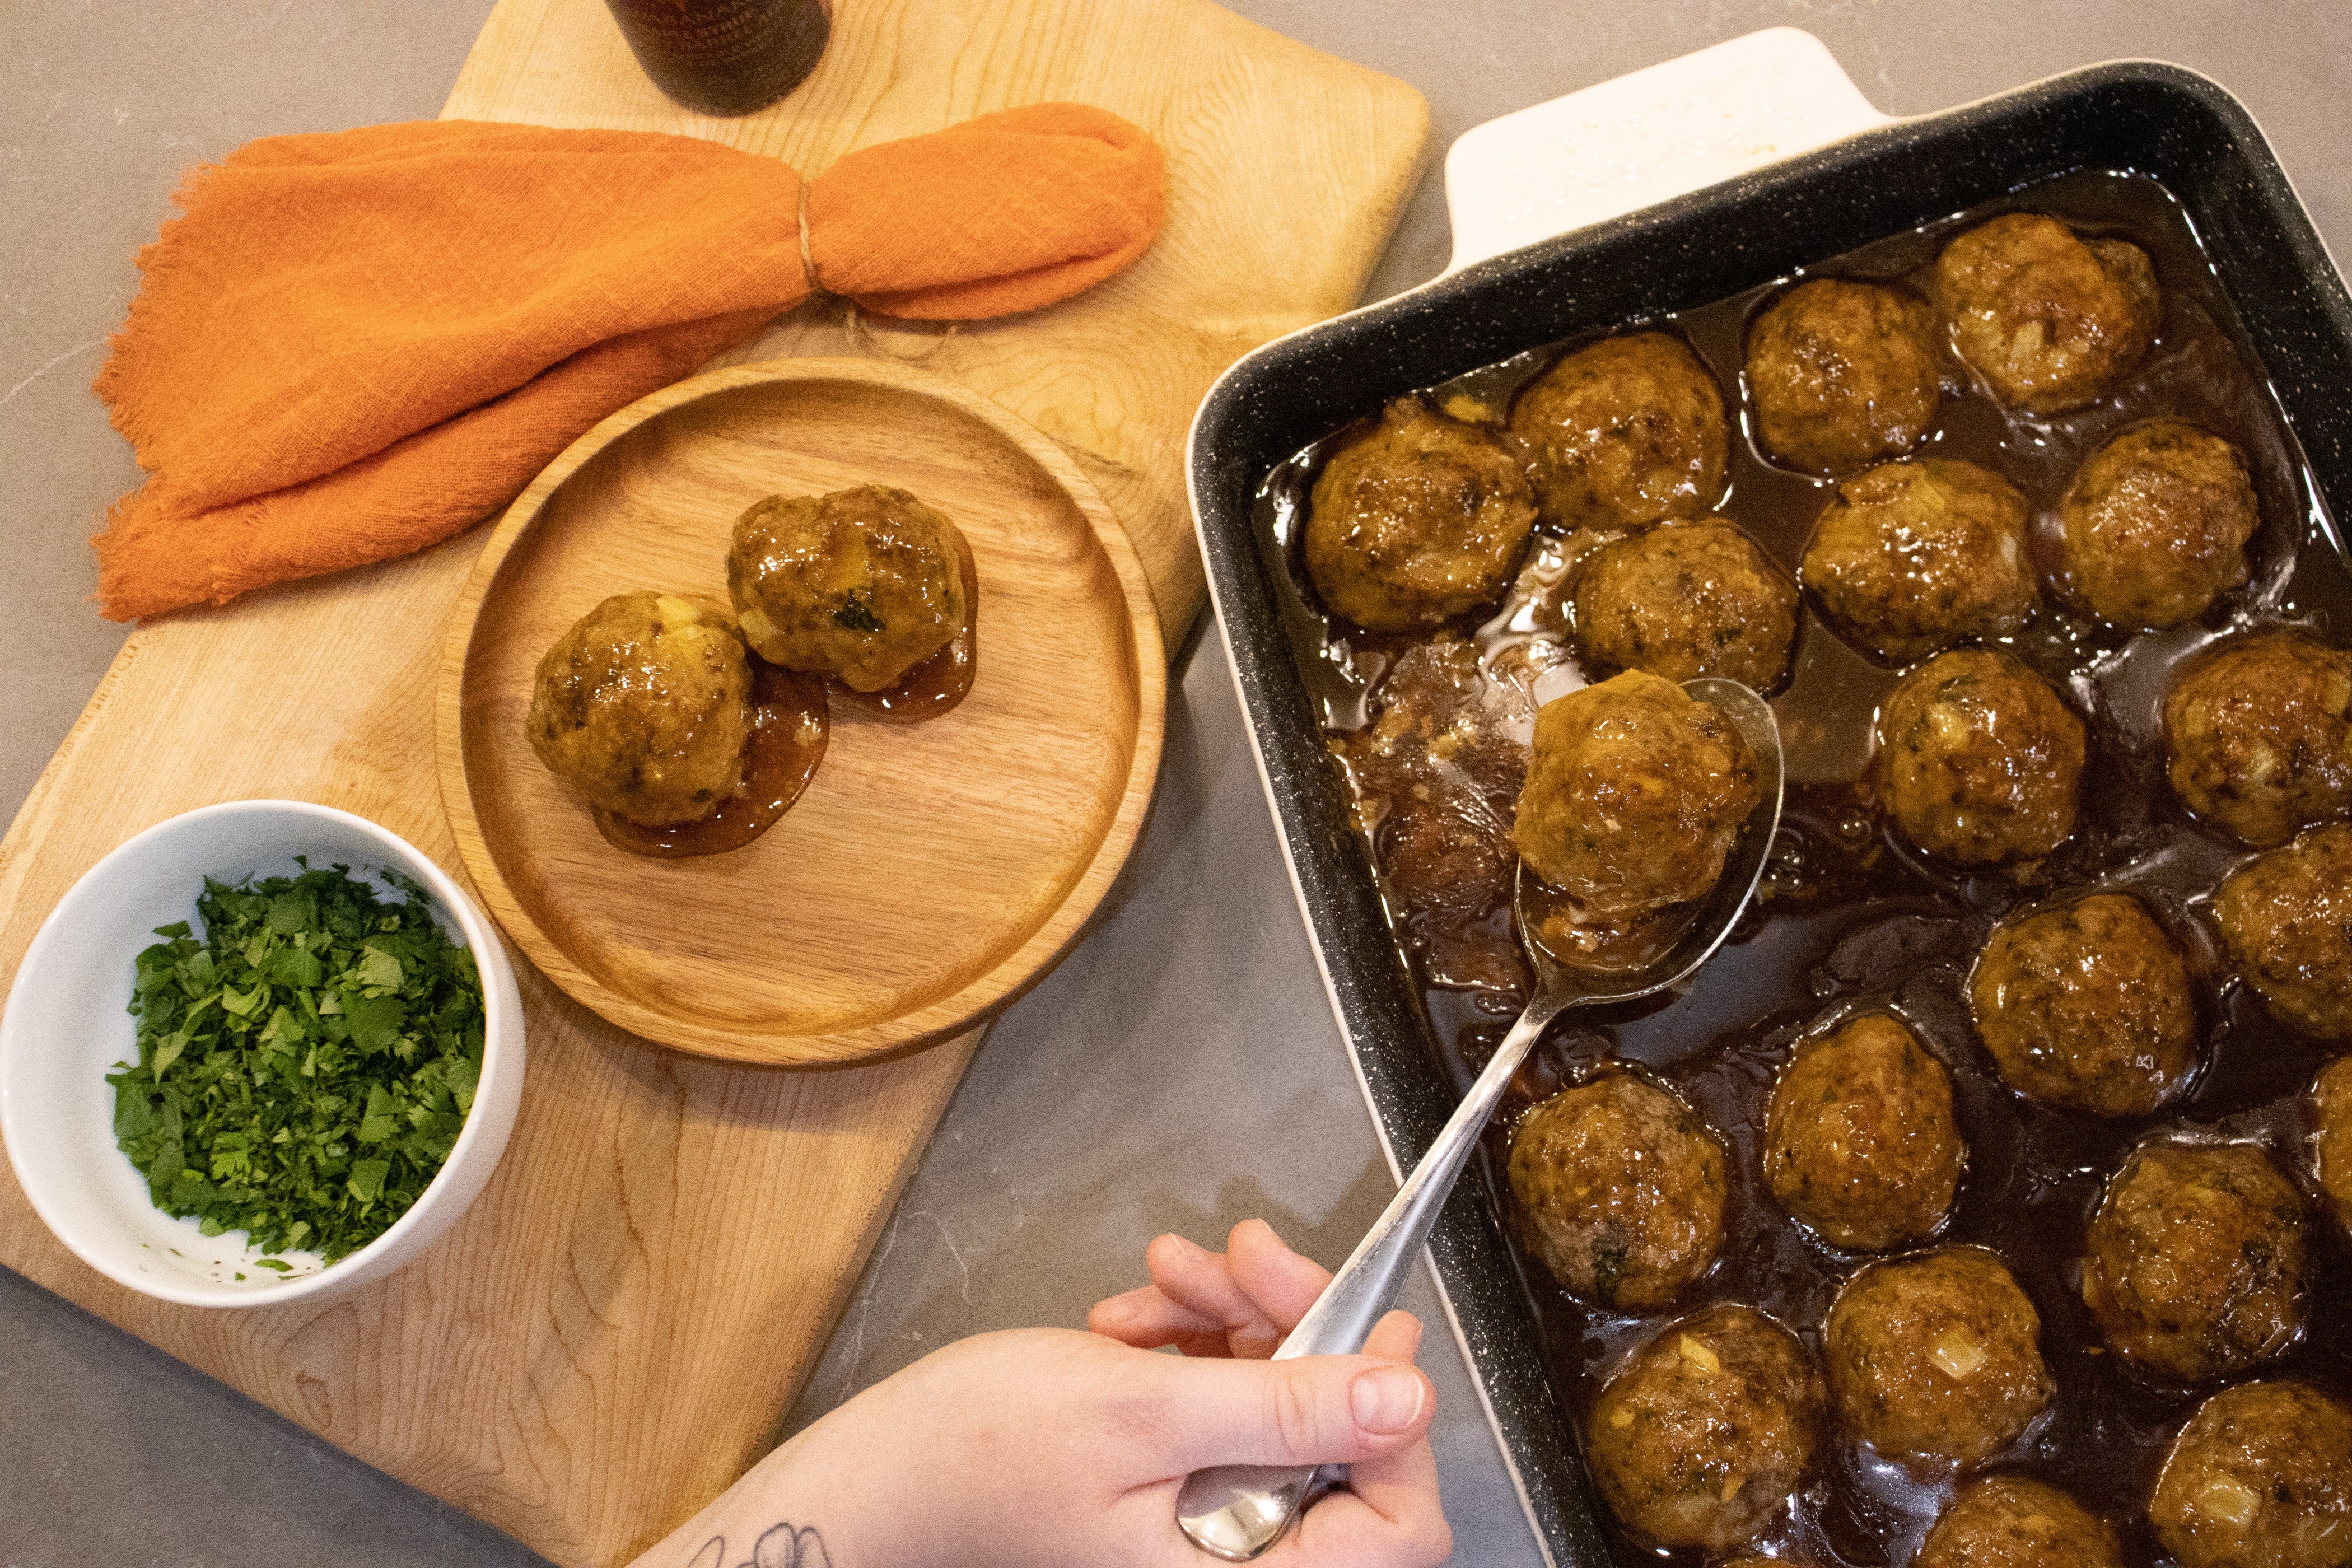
x=1608 y=1269
x=305 y=1069
x=855 y=614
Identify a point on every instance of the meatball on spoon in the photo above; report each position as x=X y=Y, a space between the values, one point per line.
x=1236 y=1511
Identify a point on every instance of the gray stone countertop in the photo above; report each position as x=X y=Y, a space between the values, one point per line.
x=1181 y=1071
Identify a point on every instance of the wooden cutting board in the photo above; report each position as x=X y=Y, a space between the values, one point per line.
x=615 y=1329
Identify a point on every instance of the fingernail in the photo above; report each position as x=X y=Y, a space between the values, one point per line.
x=1386 y=1399
x=1276 y=1234
x=1120 y=1309
x=1192 y=1248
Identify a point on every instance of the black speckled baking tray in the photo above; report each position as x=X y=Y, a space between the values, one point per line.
x=2150 y=119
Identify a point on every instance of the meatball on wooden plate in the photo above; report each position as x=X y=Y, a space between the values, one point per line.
x=929 y=873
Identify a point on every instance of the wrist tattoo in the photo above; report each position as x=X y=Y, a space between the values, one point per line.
x=780 y=1546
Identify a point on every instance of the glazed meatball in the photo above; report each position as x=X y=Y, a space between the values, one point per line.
x=2286 y=917
x=1635 y=794
x=1416 y=521
x=1859 y=1140
x=1623 y=433
x=2050 y=321
x=1619 y=1190
x=1979 y=760
x=2154 y=527
x=1842 y=374
x=2260 y=1477
x=1936 y=1357
x=862 y=584
x=2196 y=1262
x=645 y=707
x=1688 y=599
x=2331 y=1141
x=2261 y=741
x=1912 y=557
x=2011 y=1521
x=1704 y=1433
x=2088 y=1007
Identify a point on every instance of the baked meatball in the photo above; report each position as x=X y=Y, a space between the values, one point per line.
x=2154 y=527
x=1935 y=1357
x=1915 y=556
x=2262 y=743
x=2012 y=1522
x=2050 y=321
x=2196 y=1262
x=1842 y=374
x=862 y=584
x=2286 y=917
x=2088 y=1007
x=1688 y=599
x=1416 y=521
x=645 y=707
x=1623 y=433
x=2331 y=1139
x=1619 y=1190
x=1634 y=796
x=1859 y=1140
x=2260 y=1477
x=1704 y=1433
x=1979 y=760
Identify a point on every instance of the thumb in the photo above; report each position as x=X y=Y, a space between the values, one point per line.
x=1316 y=1410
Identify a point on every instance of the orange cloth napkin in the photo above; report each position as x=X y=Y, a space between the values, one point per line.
x=353 y=345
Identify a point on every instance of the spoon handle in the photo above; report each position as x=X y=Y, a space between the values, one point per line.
x=1236 y=1511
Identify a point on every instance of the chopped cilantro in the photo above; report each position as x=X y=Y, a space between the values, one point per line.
x=855 y=614
x=305 y=1069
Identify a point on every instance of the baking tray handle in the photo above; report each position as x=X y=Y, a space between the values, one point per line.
x=1641 y=138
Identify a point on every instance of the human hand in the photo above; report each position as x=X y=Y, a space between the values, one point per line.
x=1240 y=1304
x=1040 y=1448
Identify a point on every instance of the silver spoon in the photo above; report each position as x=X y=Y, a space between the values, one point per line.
x=1236 y=1511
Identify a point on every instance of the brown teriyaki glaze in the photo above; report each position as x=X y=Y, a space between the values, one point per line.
x=941 y=681
x=791 y=720
x=789 y=726
x=1849 y=919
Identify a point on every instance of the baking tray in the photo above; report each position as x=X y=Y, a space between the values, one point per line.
x=1677 y=185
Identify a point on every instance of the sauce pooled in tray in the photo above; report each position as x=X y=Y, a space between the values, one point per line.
x=1851 y=920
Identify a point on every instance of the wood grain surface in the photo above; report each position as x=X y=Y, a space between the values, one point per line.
x=615 y=1330
x=1285 y=171
x=931 y=872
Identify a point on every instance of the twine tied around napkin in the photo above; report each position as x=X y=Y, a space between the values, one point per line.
x=355 y=344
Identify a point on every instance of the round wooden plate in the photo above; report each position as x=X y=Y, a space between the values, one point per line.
x=931 y=873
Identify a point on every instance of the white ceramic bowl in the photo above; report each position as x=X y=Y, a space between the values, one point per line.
x=66 y=1027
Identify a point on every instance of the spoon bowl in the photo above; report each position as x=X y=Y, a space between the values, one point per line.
x=1703 y=925
x=1237 y=1511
